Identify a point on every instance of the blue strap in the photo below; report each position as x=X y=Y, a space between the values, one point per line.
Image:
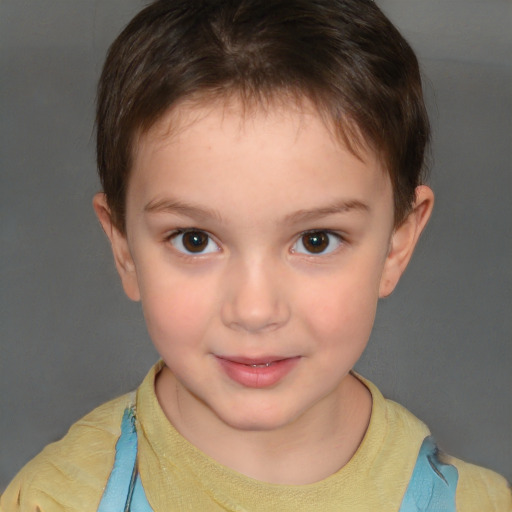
x=431 y=488
x=124 y=491
x=139 y=501
x=433 y=484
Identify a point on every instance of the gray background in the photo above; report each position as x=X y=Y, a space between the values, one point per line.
x=71 y=340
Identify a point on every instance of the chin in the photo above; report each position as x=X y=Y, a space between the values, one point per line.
x=258 y=421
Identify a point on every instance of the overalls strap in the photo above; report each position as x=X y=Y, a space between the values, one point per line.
x=124 y=491
x=433 y=484
x=431 y=488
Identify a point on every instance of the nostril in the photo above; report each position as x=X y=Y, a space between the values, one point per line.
x=255 y=316
x=254 y=300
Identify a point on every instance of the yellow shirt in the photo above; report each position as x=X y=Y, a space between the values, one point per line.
x=70 y=475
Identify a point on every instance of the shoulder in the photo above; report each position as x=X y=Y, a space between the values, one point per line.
x=70 y=474
x=480 y=489
x=402 y=429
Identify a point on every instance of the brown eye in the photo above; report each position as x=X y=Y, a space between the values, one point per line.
x=317 y=242
x=193 y=242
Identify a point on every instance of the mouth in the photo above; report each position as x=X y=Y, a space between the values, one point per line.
x=258 y=372
x=260 y=365
x=256 y=362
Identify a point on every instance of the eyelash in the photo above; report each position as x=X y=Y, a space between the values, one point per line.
x=318 y=232
x=174 y=239
x=322 y=235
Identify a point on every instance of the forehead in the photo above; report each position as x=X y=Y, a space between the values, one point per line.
x=265 y=153
x=250 y=110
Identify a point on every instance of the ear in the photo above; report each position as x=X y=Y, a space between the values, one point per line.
x=122 y=255
x=404 y=239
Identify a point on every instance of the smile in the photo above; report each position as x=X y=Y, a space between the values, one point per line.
x=254 y=373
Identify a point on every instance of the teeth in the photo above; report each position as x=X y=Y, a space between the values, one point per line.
x=263 y=365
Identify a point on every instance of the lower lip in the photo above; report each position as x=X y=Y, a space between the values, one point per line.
x=259 y=376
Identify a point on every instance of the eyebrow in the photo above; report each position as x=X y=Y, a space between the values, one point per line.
x=173 y=206
x=181 y=208
x=335 y=208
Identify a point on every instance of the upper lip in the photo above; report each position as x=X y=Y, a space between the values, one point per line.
x=254 y=360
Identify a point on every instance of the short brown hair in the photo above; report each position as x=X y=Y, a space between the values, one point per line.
x=344 y=56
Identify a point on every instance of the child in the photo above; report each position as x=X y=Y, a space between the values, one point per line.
x=262 y=173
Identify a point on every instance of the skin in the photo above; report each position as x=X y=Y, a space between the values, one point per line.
x=253 y=186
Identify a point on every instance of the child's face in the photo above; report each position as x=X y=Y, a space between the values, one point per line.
x=259 y=247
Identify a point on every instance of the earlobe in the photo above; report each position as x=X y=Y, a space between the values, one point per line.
x=404 y=239
x=120 y=248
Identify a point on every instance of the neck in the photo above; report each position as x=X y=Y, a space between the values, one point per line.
x=314 y=446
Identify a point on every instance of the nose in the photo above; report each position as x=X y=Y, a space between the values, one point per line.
x=255 y=299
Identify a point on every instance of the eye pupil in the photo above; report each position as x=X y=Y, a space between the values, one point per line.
x=195 y=241
x=315 y=242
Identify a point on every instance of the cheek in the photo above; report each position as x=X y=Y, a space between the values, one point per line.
x=342 y=308
x=177 y=310
x=346 y=318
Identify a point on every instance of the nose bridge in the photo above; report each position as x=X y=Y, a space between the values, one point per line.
x=255 y=300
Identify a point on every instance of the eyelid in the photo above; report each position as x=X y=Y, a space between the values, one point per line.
x=340 y=240
x=174 y=236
